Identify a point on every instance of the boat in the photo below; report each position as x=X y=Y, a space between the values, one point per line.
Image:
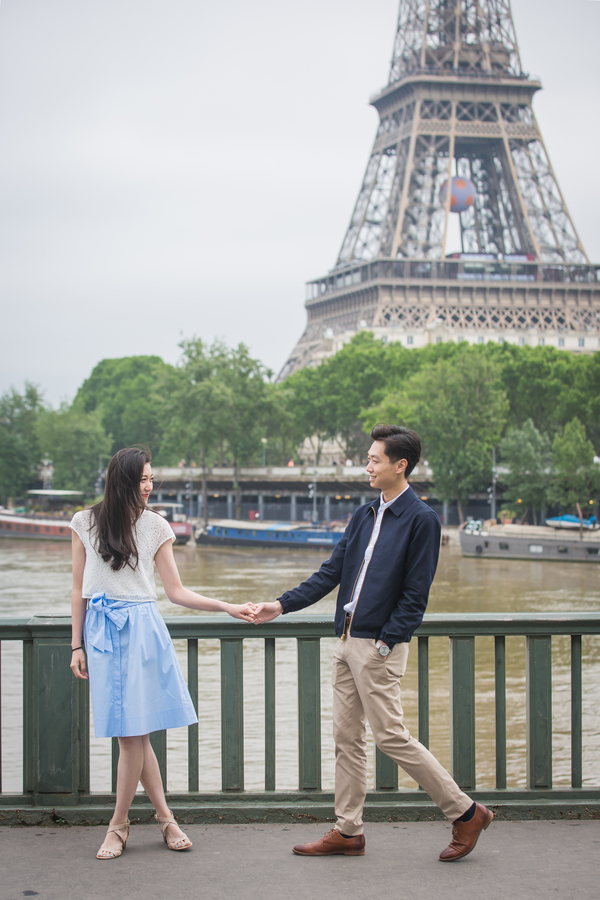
x=45 y=528
x=267 y=534
x=51 y=528
x=572 y=522
x=182 y=529
x=487 y=539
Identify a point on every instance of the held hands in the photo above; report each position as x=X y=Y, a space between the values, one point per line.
x=266 y=612
x=247 y=612
x=78 y=664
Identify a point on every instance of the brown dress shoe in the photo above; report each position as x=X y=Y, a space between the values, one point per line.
x=465 y=834
x=333 y=843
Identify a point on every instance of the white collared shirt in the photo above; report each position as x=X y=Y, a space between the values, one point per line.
x=349 y=607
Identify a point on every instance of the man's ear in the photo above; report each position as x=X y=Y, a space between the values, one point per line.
x=401 y=466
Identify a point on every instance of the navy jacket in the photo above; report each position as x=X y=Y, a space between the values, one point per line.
x=395 y=591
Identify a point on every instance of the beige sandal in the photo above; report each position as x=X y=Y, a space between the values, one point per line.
x=181 y=843
x=122 y=832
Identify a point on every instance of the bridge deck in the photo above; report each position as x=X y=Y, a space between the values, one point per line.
x=517 y=859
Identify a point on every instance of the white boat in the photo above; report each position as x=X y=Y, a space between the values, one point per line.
x=486 y=539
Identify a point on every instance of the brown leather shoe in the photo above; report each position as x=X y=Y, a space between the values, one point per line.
x=465 y=834
x=333 y=843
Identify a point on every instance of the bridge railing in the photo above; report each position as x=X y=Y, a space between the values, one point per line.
x=56 y=716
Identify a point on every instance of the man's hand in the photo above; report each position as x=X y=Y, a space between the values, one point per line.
x=266 y=612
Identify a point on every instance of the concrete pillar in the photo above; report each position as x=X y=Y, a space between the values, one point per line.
x=230 y=505
x=200 y=506
x=363 y=500
x=261 y=506
x=293 y=510
x=180 y=498
x=445 y=513
x=327 y=512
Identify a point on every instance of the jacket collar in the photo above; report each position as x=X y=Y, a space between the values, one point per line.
x=399 y=505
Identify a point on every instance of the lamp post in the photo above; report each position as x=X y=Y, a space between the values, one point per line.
x=264 y=442
x=312 y=494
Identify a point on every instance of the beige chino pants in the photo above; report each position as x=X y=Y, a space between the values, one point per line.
x=366 y=688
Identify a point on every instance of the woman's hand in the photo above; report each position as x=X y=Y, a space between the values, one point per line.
x=266 y=612
x=78 y=664
x=245 y=612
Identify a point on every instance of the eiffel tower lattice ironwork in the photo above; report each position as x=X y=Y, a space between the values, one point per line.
x=456 y=114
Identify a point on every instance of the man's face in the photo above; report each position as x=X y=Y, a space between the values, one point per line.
x=383 y=474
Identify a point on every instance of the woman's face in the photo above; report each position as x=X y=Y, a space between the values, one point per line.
x=146 y=484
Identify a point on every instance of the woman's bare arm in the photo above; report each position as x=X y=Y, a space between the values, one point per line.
x=78 y=607
x=177 y=593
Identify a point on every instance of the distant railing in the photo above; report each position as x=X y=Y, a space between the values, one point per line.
x=56 y=733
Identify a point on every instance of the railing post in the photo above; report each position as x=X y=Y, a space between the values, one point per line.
x=500 y=698
x=576 y=712
x=462 y=711
x=158 y=742
x=539 y=711
x=232 y=714
x=269 y=714
x=56 y=718
x=423 y=680
x=386 y=772
x=309 y=714
x=192 y=682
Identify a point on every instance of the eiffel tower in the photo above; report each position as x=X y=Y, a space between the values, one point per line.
x=460 y=230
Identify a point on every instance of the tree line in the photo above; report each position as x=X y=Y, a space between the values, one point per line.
x=539 y=407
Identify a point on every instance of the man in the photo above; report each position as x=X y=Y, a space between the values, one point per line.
x=384 y=566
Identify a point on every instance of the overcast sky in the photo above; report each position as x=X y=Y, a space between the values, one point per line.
x=181 y=168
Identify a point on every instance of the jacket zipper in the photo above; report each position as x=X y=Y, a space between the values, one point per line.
x=343 y=637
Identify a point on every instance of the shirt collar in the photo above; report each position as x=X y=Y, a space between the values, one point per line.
x=383 y=505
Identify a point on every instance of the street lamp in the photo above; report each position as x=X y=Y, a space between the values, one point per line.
x=264 y=442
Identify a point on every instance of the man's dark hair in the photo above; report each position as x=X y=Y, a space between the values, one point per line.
x=400 y=443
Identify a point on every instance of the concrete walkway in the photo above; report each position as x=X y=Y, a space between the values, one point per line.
x=512 y=860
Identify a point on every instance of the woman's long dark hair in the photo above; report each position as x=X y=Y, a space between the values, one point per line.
x=115 y=516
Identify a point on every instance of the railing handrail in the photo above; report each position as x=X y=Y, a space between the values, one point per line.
x=321 y=626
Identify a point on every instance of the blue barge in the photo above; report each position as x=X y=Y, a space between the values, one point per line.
x=267 y=534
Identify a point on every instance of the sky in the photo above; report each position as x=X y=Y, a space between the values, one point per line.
x=180 y=169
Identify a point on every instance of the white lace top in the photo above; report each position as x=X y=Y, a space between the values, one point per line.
x=151 y=531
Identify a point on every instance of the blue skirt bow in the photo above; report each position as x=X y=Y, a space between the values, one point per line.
x=135 y=680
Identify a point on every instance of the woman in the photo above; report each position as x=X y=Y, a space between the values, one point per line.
x=135 y=680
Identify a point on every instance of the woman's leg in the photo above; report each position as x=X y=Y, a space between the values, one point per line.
x=152 y=784
x=129 y=770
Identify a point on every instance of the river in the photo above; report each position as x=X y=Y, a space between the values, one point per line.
x=35 y=579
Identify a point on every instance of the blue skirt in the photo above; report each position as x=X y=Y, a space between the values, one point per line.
x=135 y=680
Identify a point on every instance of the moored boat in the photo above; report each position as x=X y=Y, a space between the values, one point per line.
x=45 y=528
x=527 y=542
x=49 y=528
x=267 y=534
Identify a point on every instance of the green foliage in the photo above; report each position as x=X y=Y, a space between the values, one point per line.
x=459 y=408
x=75 y=441
x=130 y=396
x=526 y=453
x=219 y=403
x=575 y=476
x=19 y=451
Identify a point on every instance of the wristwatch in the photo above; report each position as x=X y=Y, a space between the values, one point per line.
x=384 y=650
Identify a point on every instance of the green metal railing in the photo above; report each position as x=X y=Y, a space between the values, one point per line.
x=56 y=742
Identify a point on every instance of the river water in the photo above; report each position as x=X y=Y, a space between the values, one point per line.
x=35 y=579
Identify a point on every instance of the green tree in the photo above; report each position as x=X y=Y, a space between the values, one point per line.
x=19 y=449
x=459 y=408
x=197 y=402
x=311 y=407
x=247 y=409
x=75 y=441
x=575 y=475
x=526 y=453
x=130 y=395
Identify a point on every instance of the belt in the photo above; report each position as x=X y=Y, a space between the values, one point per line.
x=102 y=611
